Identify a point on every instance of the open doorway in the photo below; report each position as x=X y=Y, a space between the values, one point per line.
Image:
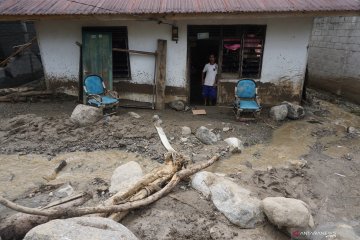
x=199 y=56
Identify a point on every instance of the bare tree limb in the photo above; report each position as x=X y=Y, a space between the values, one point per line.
x=73 y=212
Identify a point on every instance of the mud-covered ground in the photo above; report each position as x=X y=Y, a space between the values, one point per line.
x=34 y=137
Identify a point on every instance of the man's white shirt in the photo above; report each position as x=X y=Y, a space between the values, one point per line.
x=211 y=72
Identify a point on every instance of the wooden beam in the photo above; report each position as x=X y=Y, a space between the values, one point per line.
x=161 y=74
x=20 y=49
x=134 y=51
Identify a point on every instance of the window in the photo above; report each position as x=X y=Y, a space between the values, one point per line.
x=121 y=61
x=241 y=48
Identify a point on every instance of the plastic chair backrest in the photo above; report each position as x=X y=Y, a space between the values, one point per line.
x=246 y=88
x=94 y=84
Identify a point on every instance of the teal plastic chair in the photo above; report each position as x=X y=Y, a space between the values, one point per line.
x=246 y=98
x=97 y=95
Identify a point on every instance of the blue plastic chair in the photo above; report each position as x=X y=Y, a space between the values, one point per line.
x=97 y=95
x=246 y=98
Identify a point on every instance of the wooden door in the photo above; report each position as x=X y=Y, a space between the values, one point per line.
x=97 y=55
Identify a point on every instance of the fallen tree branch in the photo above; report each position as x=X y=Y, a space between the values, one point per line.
x=17 y=225
x=73 y=212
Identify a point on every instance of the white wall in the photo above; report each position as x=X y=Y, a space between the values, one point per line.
x=284 y=59
x=61 y=55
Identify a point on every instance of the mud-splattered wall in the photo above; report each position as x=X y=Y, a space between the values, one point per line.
x=282 y=75
x=334 y=56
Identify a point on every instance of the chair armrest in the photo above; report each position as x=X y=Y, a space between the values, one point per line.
x=96 y=97
x=113 y=94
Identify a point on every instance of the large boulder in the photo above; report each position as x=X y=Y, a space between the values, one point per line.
x=294 y=111
x=206 y=136
x=235 y=144
x=338 y=231
x=125 y=176
x=85 y=115
x=279 y=113
x=80 y=228
x=235 y=202
x=287 y=212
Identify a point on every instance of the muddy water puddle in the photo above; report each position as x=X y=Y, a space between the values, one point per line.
x=289 y=142
x=293 y=140
x=18 y=174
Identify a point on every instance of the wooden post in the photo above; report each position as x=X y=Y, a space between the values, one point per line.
x=160 y=74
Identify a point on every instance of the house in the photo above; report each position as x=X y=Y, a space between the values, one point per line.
x=334 y=56
x=263 y=40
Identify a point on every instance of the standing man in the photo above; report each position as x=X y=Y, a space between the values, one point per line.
x=209 y=80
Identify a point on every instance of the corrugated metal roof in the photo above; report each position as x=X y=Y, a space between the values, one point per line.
x=88 y=7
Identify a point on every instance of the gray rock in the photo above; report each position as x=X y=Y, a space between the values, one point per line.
x=125 y=176
x=226 y=129
x=236 y=146
x=178 y=105
x=134 y=115
x=85 y=115
x=157 y=120
x=279 y=113
x=64 y=191
x=235 y=202
x=201 y=182
x=185 y=131
x=206 y=136
x=80 y=228
x=352 y=130
x=294 y=111
x=287 y=212
x=338 y=231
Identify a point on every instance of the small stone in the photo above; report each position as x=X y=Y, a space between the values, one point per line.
x=134 y=115
x=248 y=164
x=185 y=131
x=297 y=164
x=177 y=105
x=183 y=139
x=65 y=191
x=348 y=156
x=235 y=144
x=51 y=194
x=156 y=119
x=226 y=129
x=352 y=130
